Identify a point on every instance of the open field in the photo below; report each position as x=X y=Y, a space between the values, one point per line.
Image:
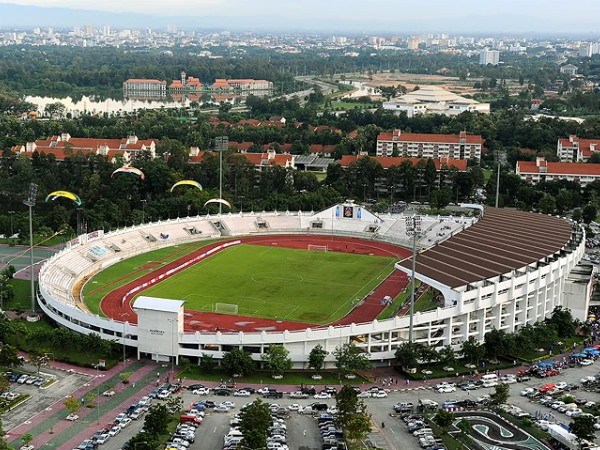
x=278 y=283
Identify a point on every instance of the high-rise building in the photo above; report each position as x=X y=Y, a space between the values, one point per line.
x=489 y=57
x=585 y=50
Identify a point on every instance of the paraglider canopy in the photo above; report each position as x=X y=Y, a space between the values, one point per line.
x=219 y=200
x=186 y=182
x=65 y=194
x=129 y=169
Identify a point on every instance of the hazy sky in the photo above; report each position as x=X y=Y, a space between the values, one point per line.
x=552 y=10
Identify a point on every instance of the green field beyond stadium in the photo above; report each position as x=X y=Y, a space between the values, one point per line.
x=278 y=283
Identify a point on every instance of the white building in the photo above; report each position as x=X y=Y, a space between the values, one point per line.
x=508 y=269
x=421 y=145
x=586 y=50
x=434 y=100
x=569 y=69
x=542 y=170
x=487 y=56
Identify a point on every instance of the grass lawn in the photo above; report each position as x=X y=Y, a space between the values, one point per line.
x=487 y=174
x=22 y=299
x=426 y=302
x=278 y=283
x=353 y=105
x=105 y=282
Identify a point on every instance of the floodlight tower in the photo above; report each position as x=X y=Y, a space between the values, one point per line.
x=221 y=144
x=413 y=228
x=30 y=202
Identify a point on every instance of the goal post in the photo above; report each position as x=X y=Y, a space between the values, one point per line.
x=317 y=248
x=226 y=308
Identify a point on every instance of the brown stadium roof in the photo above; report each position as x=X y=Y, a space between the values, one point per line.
x=502 y=241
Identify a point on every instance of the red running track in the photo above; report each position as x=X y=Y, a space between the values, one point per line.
x=365 y=311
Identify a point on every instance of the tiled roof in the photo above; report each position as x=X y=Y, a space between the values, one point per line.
x=502 y=241
x=426 y=138
x=559 y=168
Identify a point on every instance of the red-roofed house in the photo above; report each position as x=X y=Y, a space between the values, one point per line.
x=575 y=149
x=61 y=146
x=418 y=145
x=221 y=84
x=542 y=170
x=241 y=147
x=270 y=158
x=389 y=161
x=322 y=150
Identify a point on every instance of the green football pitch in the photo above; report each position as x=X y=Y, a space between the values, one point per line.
x=277 y=283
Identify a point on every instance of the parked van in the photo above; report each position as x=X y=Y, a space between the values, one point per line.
x=489 y=377
x=426 y=403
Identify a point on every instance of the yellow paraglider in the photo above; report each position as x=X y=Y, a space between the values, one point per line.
x=219 y=200
x=186 y=182
x=65 y=194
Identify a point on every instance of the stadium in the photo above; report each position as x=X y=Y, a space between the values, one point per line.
x=208 y=284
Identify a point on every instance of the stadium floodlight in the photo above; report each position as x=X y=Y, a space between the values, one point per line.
x=413 y=228
x=221 y=144
x=30 y=202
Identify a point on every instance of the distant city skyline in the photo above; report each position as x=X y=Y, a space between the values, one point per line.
x=544 y=16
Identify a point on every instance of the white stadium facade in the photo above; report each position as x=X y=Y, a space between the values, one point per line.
x=503 y=270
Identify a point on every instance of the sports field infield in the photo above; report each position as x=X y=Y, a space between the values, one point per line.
x=278 y=283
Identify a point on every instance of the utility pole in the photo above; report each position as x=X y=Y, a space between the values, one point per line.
x=498 y=179
x=30 y=202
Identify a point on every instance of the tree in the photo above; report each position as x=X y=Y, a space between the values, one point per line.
x=563 y=321
x=255 y=422
x=72 y=405
x=277 y=359
x=352 y=414
x=447 y=355
x=583 y=428
x=316 y=357
x=38 y=359
x=428 y=354
x=27 y=438
x=9 y=356
x=500 y=394
x=589 y=213
x=156 y=420
x=237 y=362
x=143 y=441
x=577 y=215
x=207 y=363
x=444 y=418
x=349 y=358
x=496 y=343
x=124 y=376
x=4 y=384
x=175 y=404
x=407 y=354
x=472 y=350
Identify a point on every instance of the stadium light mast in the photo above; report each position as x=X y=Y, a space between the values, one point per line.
x=498 y=180
x=30 y=202
x=221 y=144
x=413 y=228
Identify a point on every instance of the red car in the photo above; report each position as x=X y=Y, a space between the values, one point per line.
x=552 y=373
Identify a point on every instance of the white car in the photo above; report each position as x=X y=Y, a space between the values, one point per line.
x=164 y=394
x=443 y=384
x=527 y=391
x=365 y=394
x=72 y=417
x=446 y=389
x=114 y=431
x=228 y=404
x=103 y=438
x=322 y=395
x=383 y=394
x=108 y=393
x=125 y=422
x=294 y=407
x=573 y=412
x=588 y=379
x=543 y=424
x=145 y=401
x=201 y=391
x=263 y=391
x=241 y=393
x=560 y=385
x=586 y=362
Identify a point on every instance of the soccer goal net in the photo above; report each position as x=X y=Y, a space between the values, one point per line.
x=225 y=308
x=317 y=248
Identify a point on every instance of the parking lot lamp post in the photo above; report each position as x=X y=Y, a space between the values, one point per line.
x=98 y=391
x=413 y=228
